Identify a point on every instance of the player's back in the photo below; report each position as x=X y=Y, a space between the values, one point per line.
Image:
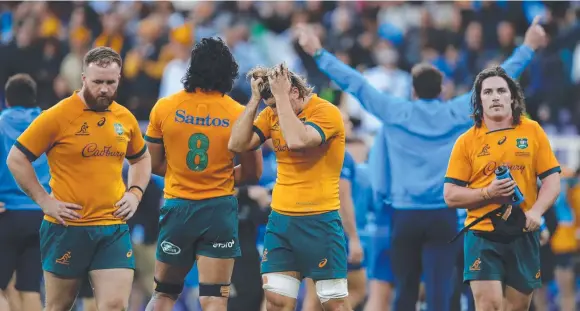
x=195 y=129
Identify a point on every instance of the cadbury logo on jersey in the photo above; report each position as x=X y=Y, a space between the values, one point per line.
x=181 y=116
x=93 y=150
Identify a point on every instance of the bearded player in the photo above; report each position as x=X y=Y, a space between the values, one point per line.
x=86 y=138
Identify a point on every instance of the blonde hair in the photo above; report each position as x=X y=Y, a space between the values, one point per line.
x=297 y=81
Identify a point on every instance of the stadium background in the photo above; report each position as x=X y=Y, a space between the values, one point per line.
x=383 y=39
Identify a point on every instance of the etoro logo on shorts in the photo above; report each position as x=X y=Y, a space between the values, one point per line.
x=229 y=244
x=170 y=248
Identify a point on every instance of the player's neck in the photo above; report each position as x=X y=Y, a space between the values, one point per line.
x=80 y=95
x=494 y=125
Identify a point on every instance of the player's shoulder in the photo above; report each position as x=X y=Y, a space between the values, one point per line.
x=122 y=113
x=470 y=135
x=64 y=110
x=232 y=106
x=320 y=104
x=529 y=125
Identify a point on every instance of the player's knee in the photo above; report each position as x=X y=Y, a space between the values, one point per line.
x=488 y=304
x=167 y=290
x=59 y=305
x=281 y=284
x=113 y=304
x=331 y=289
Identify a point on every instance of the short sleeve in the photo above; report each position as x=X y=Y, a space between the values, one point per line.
x=459 y=167
x=136 y=147
x=546 y=162
x=154 y=133
x=262 y=125
x=348 y=168
x=40 y=136
x=327 y=120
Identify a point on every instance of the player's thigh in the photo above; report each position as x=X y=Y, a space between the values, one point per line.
x=215 y=276
x=483 y=259
x=169 y=279
x=112 y=287
x=357 y=281
x=278 y=254
x=319 y=245
x=181 y=224
x=145 y=265
x=488 y=295
x=281 y=289
x=523 y=270
x=220 y=239
x=114 y=249
x=66 y=251
x=60 y=293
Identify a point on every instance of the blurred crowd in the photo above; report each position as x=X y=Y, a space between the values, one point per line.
x=383 y=39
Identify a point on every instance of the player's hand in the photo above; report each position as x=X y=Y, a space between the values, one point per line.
x=501 y=190
x=59 y=210
x=355 y=251
x=544 y=237
x=279 y=81
x=127 y=206
x=535 y=36
x=2 y=208
x=255 y=83
x=307 y=39
x=533 y=220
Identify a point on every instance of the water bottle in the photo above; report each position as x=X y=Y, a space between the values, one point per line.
x=503 y=172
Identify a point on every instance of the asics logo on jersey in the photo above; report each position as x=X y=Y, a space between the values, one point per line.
x=93 y=150
x=181 y=116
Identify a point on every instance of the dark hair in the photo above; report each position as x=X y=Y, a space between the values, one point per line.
x=20 y=90
x=212 y=67
x=102 y=56
x=518 y=104
x=297 y=81
x=427 y=81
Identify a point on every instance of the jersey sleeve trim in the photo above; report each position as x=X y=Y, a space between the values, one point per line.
x=138 y=154
x=31 y=156
x=260 y=134
x=319 y=130
x=153 y=139
x=550 y=172
x=455 y=181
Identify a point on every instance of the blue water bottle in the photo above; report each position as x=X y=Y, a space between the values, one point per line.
x=503 y=172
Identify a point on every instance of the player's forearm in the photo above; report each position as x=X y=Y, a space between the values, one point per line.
x=140 y=172
x=462 y=197
x=241 y=137
x=548 y=193
x=25 y=176
x=293 y=130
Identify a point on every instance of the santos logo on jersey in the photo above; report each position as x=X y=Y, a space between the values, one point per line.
x=181 y=116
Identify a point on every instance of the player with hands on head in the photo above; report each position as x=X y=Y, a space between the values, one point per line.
x=308 y=136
